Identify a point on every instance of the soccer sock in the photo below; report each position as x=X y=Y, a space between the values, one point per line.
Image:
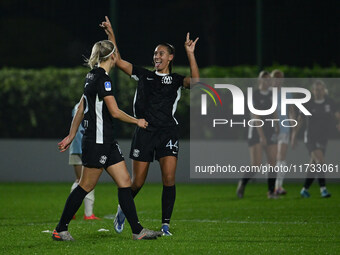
x=129 y=209
x=168 y=201
x=322 y=188
x=72 y=205
x=322 y=182
x=134 y=192
x=271 y=184
x=308 y=182
x=88 y=203
x=245 y=181
x=280 y=174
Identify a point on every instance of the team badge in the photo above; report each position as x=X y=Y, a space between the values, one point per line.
x=102 y=159
x=136 y=153
x=107 y=85
x=167 y=80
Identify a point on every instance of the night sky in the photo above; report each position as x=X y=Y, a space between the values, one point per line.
x=42 y=33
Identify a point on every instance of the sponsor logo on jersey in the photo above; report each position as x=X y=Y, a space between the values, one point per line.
x=149 y=79
x=107 y=85
x=102 y=159
x=136 y=153
x=167 y=80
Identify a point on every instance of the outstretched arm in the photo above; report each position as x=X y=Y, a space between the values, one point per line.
x=78 y=117
x=123 y=65
x=190 y=49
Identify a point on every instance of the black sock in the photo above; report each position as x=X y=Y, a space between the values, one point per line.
x=129 y=209
x=322 y=182
x=134 y=192
x=72 y=205
x=168 y=201
x=245 y=180
x=271 y=184
x=308 y=182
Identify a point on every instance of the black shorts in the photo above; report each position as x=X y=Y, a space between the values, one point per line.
x=269 y=133
x=101 y=155
x=316 y=144
x=148 y=145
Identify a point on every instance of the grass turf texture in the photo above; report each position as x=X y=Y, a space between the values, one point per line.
x=208 y=219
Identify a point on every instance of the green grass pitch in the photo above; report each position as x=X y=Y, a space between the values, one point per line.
x=207 y=219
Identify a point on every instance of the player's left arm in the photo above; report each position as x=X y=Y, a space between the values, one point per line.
x=77 y=119
x=190 y=50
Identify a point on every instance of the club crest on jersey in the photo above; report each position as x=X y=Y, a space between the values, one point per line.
x=107 y=85
x=102 y=159
x=167 y=80
x=136 y=153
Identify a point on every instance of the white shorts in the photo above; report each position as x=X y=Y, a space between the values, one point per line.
x=75 y=159
x=283 y=138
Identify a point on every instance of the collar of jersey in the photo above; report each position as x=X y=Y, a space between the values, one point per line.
x=161 y=74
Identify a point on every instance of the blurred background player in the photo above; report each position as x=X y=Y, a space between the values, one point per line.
x=261 y=138
x=75 y=161
x=156 y=100
x=284 y=135
x=317 y=129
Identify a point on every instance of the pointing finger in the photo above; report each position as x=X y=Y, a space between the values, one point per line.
x=196 y=40
x=188 y=36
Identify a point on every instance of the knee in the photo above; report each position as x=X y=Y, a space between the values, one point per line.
x=168 y=180
x=137 y=184
x=88 y=187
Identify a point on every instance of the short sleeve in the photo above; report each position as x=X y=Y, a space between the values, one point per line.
x=105 y=87
x=138 y=72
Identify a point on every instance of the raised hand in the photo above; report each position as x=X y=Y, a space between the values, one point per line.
x=190 y=44
x=106 y=25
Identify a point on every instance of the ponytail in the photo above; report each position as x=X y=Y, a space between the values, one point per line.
x=101 y=51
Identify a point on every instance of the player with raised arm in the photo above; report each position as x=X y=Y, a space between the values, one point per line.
x=317 y=129
x=156 y=100
x=97 y=108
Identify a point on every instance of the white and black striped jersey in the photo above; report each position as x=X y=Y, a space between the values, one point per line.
x=98 y=122
x=156 y=96
x=320 y=124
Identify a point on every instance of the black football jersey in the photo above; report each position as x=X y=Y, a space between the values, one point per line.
x=156 y=96
x=263 y=101
x=98 y=122
x=321 y=122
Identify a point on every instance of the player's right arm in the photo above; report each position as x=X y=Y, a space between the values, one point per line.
x=123 y=65
x=115 y=112
x=77 y=119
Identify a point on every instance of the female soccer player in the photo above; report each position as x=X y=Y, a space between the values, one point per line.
x=284 y=135
x=318 y=126
x=156 y=100
x=75 y=161
x=262 y=138
x=98 y=107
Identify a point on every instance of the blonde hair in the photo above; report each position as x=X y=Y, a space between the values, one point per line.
x=320 y=83
x=263 y=74
x=101 y=51
x=276 y=72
